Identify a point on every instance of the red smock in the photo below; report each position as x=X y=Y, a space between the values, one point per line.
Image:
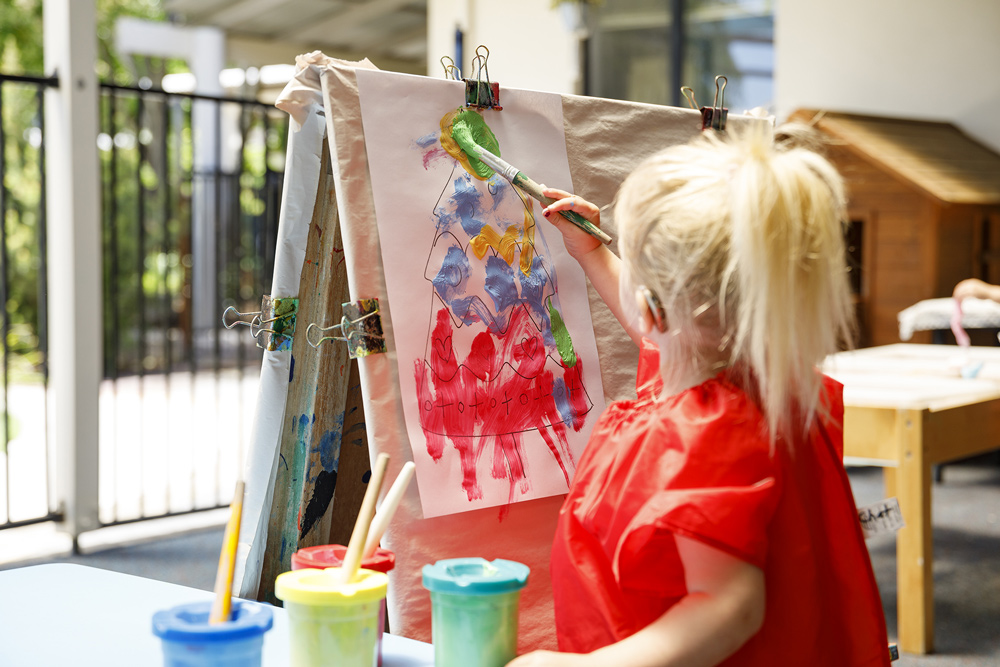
x=700 y=464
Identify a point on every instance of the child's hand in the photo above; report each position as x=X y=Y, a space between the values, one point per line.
x=578 y=242
x=550 y=659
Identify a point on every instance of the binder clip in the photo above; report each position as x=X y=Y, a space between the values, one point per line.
x=360 y=327
x=715 y=116
x=481 y=93
x=273 y=326
x=451 y=70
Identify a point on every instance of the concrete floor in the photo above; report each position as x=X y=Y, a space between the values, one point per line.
x=966 y=507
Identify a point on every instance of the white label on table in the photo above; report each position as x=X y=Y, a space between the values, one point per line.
x=882 y=517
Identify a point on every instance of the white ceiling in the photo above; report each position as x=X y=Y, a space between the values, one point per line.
x=391 y=33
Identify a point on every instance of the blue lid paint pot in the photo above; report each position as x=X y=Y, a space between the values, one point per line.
x=190 y=641
x=474 y=610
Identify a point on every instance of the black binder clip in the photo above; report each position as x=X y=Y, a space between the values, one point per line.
x=715 y=116
x=481 y=93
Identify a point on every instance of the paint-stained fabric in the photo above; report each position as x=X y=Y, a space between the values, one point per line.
x=699 y=464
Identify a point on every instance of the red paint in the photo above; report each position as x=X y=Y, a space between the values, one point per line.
x=488 y=401
x=434 y=154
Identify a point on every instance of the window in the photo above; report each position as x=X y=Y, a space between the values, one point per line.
x=645 y=50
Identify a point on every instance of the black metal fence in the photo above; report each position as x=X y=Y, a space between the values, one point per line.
x=191 y=186
x=23 y=290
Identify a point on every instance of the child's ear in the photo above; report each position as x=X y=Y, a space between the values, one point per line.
x=651 y=314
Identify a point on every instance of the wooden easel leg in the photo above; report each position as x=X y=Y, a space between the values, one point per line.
x=311 y=434
x=914 y=545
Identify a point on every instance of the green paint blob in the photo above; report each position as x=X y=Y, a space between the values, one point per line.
x=468 y=129
x=563 y=342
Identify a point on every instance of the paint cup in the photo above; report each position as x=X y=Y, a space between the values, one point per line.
x=474 y=610
x=332 y=555
x=190 y=641
x=332 y=622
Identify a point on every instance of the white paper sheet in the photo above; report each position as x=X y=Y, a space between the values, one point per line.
x=302 y=164
x=496 y=411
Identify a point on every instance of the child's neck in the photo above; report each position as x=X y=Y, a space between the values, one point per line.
x=679 y=377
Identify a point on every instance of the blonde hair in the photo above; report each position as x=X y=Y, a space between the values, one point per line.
x=741 y=236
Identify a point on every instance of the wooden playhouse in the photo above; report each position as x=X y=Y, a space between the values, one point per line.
x=924 y=203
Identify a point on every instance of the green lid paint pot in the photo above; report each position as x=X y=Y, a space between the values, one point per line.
x=190 y=641
x=332 y=555
x=474 y=610
x=332 y=622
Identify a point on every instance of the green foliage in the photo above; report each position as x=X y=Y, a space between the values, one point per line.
x=146 y=163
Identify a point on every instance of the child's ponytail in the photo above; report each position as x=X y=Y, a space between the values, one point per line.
x=741 y=237
x=787 y=261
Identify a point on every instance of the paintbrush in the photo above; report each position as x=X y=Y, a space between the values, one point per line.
x=518 y=178
x=222 y=605
x=384 y=514
x=352 y=559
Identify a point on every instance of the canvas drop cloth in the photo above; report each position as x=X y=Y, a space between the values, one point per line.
x=604 y=139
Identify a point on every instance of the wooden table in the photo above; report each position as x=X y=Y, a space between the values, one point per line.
x=908 y=408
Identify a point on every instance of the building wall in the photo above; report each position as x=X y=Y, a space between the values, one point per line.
x=531 y=46
x=910 y=58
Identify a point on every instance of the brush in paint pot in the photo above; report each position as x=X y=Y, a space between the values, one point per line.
x=464 y=136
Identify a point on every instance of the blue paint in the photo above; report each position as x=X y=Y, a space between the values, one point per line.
x=451 y=283
x=561 y=399
x=367 y=476
x=329 y=444
x=428 y=140
x=453 y=276
x=464 y=206
x=500 y=284
x=291 y=370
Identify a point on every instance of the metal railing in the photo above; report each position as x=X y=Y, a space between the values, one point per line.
x=191 y=186
x=24 y=454
x=191 y=197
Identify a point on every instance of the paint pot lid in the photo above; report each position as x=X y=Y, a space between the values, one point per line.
x=326 y=587
x=475 y=576
x=332 y=555
x=188 y=623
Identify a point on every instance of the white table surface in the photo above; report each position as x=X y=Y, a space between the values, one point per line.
x=917 y=377
x=63 y=614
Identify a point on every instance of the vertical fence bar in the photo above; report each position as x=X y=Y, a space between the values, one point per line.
x=220 y=270
x=140 y=266
x=43 y=284
x=3 y=296
x=114 y=273
x=165 y=247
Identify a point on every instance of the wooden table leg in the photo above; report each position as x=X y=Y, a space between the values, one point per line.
x=914 y=545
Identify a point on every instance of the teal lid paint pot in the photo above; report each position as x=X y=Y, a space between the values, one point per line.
x=190 y=641
x=474 y=614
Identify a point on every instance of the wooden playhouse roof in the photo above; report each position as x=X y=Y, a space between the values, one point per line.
x=936 y=157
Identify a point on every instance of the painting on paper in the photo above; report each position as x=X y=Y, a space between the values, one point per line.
x=498 y=367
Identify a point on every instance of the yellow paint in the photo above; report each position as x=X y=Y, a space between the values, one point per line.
x=505 y=245
x=528 y=247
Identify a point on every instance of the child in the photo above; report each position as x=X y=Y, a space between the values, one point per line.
x=710 y=521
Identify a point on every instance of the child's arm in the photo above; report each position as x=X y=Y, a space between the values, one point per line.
x=602 y=266
x=976 y=288
x=724 y=608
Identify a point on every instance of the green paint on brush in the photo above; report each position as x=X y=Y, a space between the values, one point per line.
x=563 y=341
x=468 y=129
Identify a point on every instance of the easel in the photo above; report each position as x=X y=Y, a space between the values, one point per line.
x=323 y=447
